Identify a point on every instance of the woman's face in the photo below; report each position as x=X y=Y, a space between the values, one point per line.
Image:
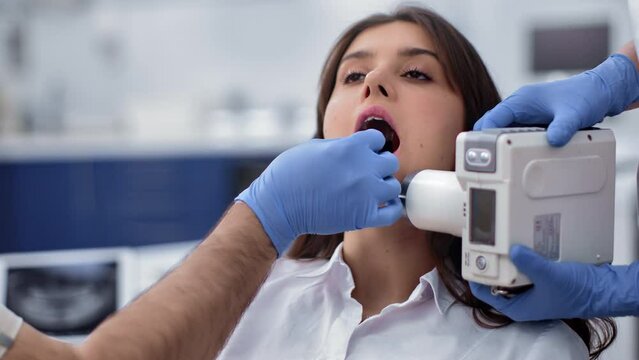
x=392 y=71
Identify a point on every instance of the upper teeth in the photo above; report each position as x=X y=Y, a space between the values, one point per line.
x=374 y=118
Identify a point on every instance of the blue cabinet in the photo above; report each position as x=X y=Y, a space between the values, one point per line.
x=119 y=202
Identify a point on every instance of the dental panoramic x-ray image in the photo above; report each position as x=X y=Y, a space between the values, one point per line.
x=63 y=300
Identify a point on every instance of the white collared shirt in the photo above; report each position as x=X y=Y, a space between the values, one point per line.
x=305 y=310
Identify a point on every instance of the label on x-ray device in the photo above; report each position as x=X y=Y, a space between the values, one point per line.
x=546 y=235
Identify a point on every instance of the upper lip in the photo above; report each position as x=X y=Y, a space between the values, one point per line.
x=374 y=111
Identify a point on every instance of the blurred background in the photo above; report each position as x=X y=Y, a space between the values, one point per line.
x=128 y=126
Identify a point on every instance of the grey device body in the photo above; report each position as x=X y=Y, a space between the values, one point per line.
x=511 y=187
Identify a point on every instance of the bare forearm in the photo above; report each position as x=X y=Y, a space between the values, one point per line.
x=187 y=315
x=190 y=313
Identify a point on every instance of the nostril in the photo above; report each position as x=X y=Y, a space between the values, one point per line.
x=382 y=90
x=368 y=91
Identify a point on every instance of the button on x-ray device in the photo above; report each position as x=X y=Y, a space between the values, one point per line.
x=511 y=187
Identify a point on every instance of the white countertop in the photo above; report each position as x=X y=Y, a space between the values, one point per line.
x=55 y=147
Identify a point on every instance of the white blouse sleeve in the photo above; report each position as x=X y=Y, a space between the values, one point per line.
x=10 y=323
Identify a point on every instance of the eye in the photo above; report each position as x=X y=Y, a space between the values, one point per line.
x=354 y=76
x=417 y=75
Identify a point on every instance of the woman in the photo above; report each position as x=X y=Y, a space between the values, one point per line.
x=396 y=292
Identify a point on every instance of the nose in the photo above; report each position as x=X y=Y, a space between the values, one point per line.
x=376 y=84
x=381 y=89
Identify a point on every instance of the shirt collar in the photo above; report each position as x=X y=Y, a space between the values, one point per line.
x=335 y=261
x=443 y=299
x=430 y=283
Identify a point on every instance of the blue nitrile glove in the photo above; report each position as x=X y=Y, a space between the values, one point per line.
x=571 y=104
x=326 y=187
x=567 y=290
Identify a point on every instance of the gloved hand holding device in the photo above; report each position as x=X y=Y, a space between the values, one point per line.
x=567 y=290
x=571 y=104
x=326 y=187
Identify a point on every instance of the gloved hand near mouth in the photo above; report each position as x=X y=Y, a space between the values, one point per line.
x=326 y=187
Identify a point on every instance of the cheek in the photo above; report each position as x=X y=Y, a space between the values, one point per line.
x=433 y=147
x=338 y=120
x=432 y=139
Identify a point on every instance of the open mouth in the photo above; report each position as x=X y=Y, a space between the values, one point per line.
x=377 y=123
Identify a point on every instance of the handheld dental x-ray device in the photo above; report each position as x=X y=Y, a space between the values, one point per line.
x=511 y=187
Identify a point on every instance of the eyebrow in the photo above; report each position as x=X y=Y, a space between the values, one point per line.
x=406 y=52
x=410 y=52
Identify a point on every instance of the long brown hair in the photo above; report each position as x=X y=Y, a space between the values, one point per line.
x=466 y=74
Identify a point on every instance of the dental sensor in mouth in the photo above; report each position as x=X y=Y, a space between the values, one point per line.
x=392 y=140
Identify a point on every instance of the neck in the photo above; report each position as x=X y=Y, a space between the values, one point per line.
x=387 y=263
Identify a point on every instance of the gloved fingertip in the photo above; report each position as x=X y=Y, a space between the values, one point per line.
x=561 y=129
x=518 y=252
x=373 y=137
x=557 y=138
x=397 y=209
x=494 y=122
x=498 y=117
x=529 y=262
x=397 y=187
x=488 y=124
x=389 y=214
x=480 y=291
x=394 y=161
x=478 y=125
